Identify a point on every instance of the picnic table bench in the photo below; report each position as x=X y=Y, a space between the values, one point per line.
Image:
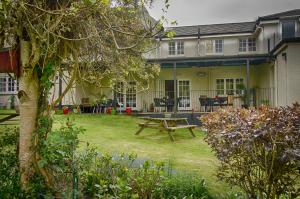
x=166 y=124
x=7 y=117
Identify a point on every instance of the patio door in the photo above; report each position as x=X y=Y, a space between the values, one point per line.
x=169 y=89
x=125 y=95
x=184 y=95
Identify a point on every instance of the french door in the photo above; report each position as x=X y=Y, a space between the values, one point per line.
x=125 y=95
x=184 y=94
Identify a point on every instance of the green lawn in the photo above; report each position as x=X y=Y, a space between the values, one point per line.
x=115 y=134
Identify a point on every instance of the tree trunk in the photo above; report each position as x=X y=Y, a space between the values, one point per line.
x=28 y=95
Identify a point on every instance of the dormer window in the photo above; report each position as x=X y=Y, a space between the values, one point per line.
x=247 y=45
x=214 y=46
x=176 y=48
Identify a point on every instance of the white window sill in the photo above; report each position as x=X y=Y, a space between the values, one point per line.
x=8 y=93
x=247 y=52
x=176 y=55
x=210 y=54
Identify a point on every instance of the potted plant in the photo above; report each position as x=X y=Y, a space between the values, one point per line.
x=65 y=110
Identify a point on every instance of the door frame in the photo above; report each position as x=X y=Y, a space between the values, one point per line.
x=124 y=93
x=190 y=90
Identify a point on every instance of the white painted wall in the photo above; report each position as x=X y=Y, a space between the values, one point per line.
x=288 y=76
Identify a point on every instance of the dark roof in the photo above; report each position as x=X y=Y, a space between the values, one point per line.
x=279 y=15
x=214 y=29
x=236 y=60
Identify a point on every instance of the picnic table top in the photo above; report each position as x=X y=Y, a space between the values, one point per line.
x=9 y=114
x=163 y=119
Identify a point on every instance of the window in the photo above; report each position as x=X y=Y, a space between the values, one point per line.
x=8 y=84
x=176 y=48
x=247 y=45
x=229 y=86
x=11 y=84
x=184 y=94
x=288 y=29
x=125 y=94
x=172 y=48
x=220 y=86
x=242 y=45
x=3 y=84
x=131 y=95
x=118 y=92
x=214 y=46
x=209 y=46
x=219 y=46
x=251 y=44
x=239 y=83
x=180 y=48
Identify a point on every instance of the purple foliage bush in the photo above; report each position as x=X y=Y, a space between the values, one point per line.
x=258 y=149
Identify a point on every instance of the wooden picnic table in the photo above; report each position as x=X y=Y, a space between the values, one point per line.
x=166 y=124
x=8 y=116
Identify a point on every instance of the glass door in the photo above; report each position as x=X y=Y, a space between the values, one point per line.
x=125 y=94
x=131 y=95
x=184 y=95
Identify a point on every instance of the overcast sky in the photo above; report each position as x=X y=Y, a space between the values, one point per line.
x=196 y=12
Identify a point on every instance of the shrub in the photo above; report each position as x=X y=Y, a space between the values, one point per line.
x=9 y=170
x=184 y=185
x=58 y=157
x=88 y=174
x=115 y=177
x=259 y=149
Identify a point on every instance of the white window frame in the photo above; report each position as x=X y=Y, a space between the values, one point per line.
x=179 y=49
x=7 y=82
x=247 y=39
x=190 y=89
x=214 y=47
x=123 y=94
x=225 y=86
x=131 y=96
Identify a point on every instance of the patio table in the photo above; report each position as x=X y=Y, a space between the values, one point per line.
x=168 y=125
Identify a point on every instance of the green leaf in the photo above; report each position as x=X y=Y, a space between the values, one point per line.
x=42 y=163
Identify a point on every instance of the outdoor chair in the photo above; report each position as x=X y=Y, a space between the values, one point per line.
x=102 y=107
x=159 y=103
x=85 y=106
x=205 y=102
x=117 y=105
x=170 y=104
x=223 y=101
x=230 y=99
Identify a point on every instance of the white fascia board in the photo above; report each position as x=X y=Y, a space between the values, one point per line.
x=179 y=38
x=227 y=35
x=269 y=22
x=208 y=36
